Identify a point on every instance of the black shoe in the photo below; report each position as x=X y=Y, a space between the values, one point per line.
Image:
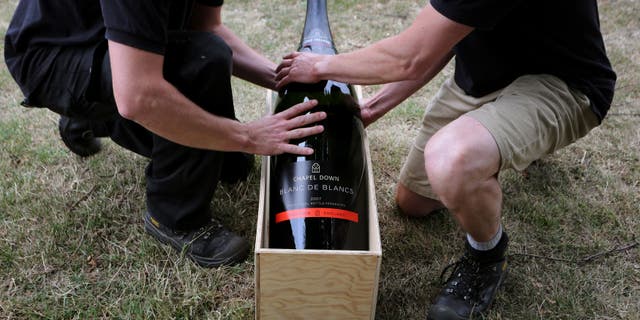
x=78 y=137
x=469 y=290
x=209 y=246
x=236 y=167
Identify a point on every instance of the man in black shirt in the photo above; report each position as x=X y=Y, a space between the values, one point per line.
x=154 y=76
x=530 y=78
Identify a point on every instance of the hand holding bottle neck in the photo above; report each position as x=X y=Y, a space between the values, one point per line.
x=302 y=67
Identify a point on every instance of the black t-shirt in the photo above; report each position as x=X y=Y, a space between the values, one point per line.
x=142 y=24
x=517 y=37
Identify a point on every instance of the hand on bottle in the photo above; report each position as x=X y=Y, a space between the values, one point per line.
x=271 y=134
x=297 y=67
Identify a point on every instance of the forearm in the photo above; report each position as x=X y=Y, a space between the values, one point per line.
x=161 y=109
x=375 y=64
x=392 y=94
x=248 y=64
x=405 y=56
x=169 y=114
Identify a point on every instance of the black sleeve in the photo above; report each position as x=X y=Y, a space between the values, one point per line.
x=482 y=14
x=140 y=24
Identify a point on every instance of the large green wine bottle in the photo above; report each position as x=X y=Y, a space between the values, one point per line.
x=320 y=201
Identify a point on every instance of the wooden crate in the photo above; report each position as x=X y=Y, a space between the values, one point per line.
x=315 y=284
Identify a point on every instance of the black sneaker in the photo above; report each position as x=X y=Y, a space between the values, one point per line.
x=209 y=246
x=78 y=137
x=470 y=289
x=236 y=167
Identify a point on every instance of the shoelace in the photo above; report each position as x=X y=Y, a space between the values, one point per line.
x=206 y=231
x=463 y=280
x=203 y=232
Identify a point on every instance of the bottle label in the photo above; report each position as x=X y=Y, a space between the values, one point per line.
x=317 y=213
x=315 y=189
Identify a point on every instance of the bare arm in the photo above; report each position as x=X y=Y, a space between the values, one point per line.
x=144 y=96
x=247 y=63
x=405 y=56
x=392 y=94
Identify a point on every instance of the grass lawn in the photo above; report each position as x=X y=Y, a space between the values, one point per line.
x=72 y=244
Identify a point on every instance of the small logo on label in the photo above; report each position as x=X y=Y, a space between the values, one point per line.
x=315 y=168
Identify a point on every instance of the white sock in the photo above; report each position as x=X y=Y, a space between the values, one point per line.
x=487 y=245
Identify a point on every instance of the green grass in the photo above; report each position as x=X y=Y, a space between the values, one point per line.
x=72 y=245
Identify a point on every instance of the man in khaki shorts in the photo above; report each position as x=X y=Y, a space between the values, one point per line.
x=530 y=78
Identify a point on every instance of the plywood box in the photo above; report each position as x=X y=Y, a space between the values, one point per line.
x=315 y=284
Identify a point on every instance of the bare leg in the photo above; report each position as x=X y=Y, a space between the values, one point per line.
x=413 y=204
x=462 y=162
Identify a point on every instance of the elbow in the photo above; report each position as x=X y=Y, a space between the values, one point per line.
x=414 y=69
x=134 y=106
x=418 y=62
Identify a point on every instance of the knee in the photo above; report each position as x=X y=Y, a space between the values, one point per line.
x=193 y=57
x=450 y=169
x=214 y=55
x=201 y=69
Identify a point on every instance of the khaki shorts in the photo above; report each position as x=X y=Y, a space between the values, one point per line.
x=532 y=117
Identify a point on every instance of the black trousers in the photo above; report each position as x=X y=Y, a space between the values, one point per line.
x=180 y=180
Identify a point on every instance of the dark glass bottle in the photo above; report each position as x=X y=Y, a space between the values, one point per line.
x=320 y=201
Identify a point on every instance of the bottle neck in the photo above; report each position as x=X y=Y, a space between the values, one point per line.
x=316 y=36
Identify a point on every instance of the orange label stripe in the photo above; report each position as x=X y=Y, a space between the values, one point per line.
x=317 y=213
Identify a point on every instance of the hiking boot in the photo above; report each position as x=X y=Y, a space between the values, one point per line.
x=236 y=167
x=209 y=246
x=470 y=289
x=78 y=137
